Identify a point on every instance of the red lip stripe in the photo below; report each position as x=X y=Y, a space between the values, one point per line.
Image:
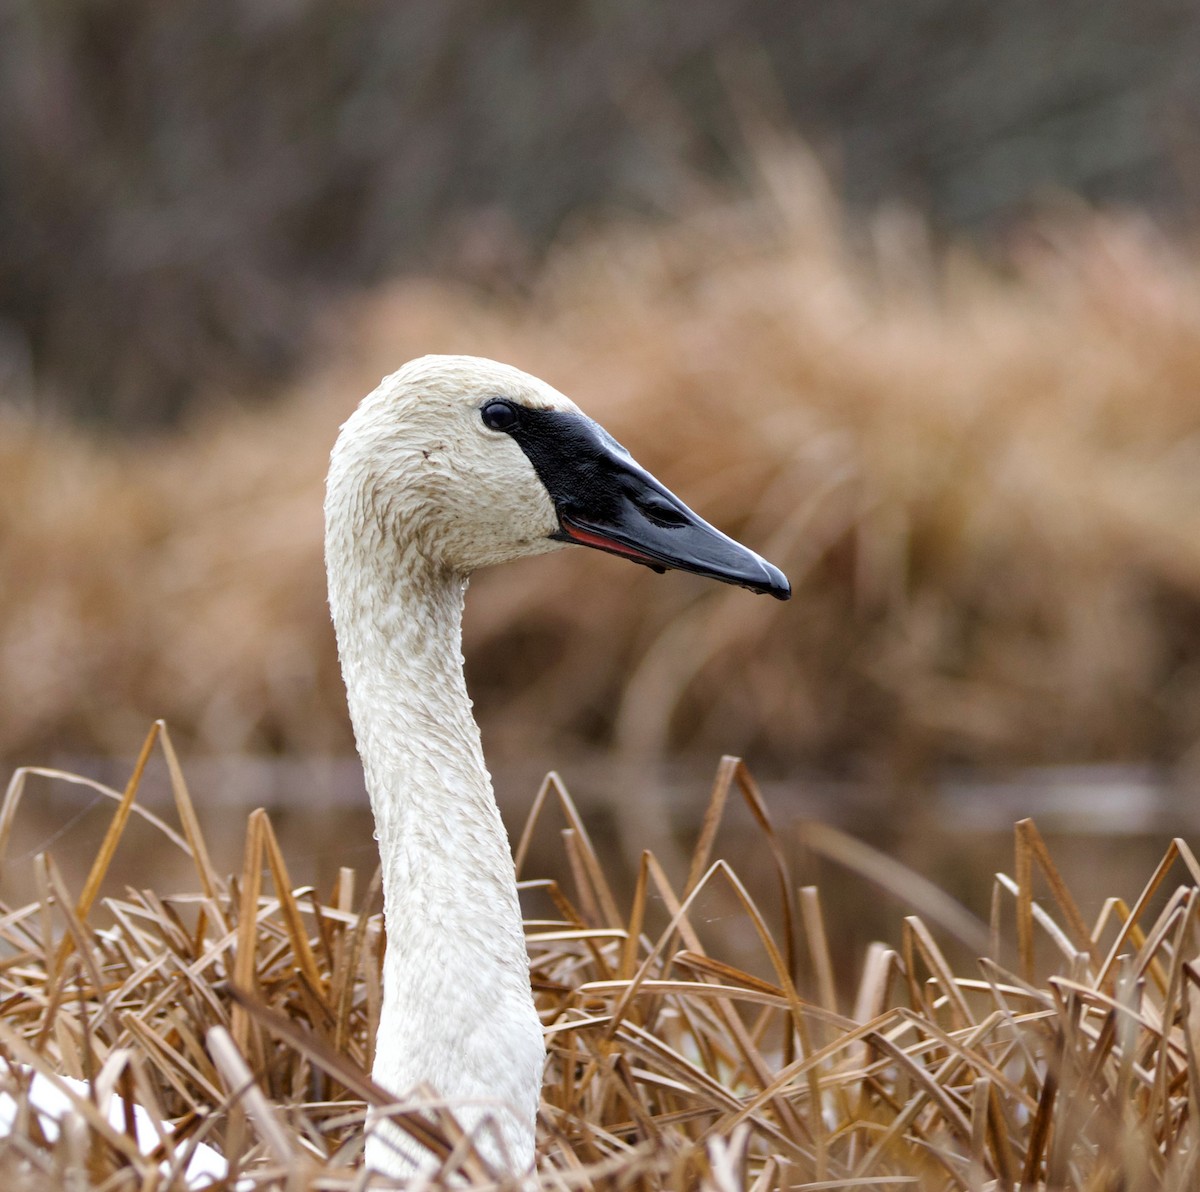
x=587 y=538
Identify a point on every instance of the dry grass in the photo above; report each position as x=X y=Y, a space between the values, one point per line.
x=984 y=480
x=1065 y=1058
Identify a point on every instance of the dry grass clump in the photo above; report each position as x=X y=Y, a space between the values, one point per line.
x=983 y=479
x=1065 y=1058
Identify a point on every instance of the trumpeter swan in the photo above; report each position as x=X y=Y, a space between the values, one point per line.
x=455 y=463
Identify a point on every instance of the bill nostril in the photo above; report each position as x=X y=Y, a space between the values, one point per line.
x=661 y=511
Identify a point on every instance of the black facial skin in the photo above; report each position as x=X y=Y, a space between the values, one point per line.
x=605 y=500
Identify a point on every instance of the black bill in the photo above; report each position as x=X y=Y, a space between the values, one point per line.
x=608 y=501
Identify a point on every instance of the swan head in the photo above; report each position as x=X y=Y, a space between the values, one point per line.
x=472 y=462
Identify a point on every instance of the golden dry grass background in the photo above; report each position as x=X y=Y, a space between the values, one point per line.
x=983 y=477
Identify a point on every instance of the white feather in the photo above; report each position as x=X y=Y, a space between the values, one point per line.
x=420 y=494
x=55 y=1099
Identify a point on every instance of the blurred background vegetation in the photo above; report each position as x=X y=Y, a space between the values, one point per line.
x=907 y=296
x=184 y=187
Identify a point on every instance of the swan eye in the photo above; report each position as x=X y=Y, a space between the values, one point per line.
x=498 y=415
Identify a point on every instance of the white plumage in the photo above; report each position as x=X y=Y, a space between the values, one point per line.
x=420 y=493
x=55 y=1099
x=428 y=482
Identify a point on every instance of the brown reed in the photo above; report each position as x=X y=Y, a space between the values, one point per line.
x=244 y=1013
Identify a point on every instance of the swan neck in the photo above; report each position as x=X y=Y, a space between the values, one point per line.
x=400 y=639
x=457 y=1011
